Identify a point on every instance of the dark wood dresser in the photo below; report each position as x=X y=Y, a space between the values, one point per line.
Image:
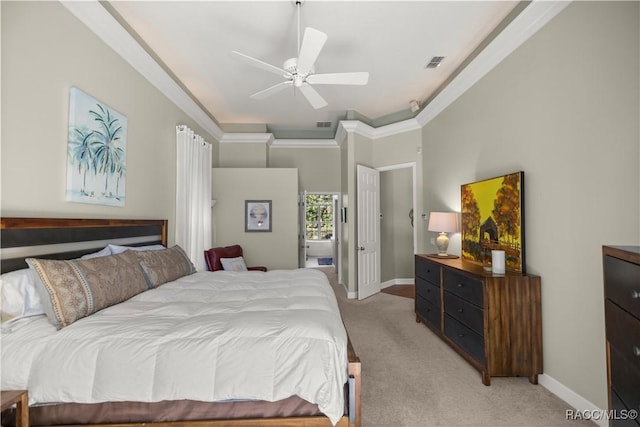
x=493 y=321
x=621 y=267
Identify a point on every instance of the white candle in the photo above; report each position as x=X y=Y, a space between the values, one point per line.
x=497 y=262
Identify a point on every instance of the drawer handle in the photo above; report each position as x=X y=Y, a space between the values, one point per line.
x=460 y=310
x=461 y=335
x=635 y=294
x=636 y=350
x=460 y=285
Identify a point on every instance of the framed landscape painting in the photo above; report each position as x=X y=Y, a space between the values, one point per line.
x=493 y=218
x=96 y=152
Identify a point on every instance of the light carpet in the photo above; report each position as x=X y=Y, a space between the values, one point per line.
x=411 y=378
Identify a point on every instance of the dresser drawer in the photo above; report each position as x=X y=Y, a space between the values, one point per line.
x=428 y=291
x=622 y=412
x=623 y=334
x=618 y=406
x=428 y=310
x=428 y=270
x=622 y=284
x=469 y=341
x=466 y=287
x=625 y=379
x=466 y=313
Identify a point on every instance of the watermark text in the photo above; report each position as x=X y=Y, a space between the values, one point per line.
x=601 y=414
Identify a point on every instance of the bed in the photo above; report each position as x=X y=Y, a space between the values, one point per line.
x=223 y=348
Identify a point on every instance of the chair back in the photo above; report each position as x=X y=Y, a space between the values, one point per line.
x=212 y=256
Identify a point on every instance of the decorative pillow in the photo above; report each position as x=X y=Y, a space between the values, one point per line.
x=102 y=252
x=116 y=249
x=71 y=290
x=18 y=296
x=162 y=266
x=234 y=264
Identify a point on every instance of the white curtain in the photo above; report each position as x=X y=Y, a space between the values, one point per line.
x=193 y=195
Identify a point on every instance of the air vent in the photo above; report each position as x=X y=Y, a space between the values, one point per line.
x=435 y=62
x=323 y=124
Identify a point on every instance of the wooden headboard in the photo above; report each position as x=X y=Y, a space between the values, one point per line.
x=67 y=238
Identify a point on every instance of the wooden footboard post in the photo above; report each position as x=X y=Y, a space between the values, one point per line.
x=354 y=371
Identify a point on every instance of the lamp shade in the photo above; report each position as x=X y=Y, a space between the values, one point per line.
x=446 y=222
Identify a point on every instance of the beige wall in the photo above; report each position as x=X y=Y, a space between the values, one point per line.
x=319 y=167
x=397 y=149
x=38 y=69
x=277 y=249
x=569 y=120
x=243 y=155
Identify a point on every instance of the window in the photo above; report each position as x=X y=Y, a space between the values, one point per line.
x=319 y=217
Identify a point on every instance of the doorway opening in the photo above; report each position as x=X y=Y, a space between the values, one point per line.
x=321 y=230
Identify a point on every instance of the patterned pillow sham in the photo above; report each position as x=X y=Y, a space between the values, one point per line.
x=165 y=265
x=73 y=289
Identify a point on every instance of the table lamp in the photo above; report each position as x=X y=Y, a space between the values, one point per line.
x=443 y=222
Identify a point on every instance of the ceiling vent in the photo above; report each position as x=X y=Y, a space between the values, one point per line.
x=435 y=62
x=323 y=124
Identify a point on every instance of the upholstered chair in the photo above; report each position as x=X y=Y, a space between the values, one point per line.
x=214 y=255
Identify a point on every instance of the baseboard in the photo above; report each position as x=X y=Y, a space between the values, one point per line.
x=393 y=282
x=350 y=295
x=572 y=398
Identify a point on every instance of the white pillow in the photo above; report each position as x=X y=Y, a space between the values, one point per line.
x=18 y=296
x=115 y=249
x=233 y=264
x=102 y=252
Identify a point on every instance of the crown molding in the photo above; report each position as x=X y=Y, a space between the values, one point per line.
x=105 y=26
x=360 y=128
x=527 y=23
x=247 y=138
x=304 y=143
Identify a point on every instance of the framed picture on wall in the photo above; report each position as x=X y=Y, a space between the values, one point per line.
x=493 y=218
x=257 y=215
x=96 y=152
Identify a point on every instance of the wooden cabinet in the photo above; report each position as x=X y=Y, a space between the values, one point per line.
x=493 y=321
x=621 y=267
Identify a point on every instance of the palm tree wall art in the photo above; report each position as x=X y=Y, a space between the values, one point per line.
x=96 y=152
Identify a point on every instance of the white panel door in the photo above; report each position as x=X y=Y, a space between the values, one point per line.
x=368 y=238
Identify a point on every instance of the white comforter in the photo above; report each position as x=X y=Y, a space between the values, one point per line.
x=207 y=337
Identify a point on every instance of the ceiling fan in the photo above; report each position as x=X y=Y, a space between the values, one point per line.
x=299 y=72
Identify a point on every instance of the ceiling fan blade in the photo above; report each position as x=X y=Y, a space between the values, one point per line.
x=312 y=96
x=311 y=46
x=271 y=90
x=339 y=79
x=261 y=64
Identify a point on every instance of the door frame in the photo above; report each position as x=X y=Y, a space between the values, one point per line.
x=411 y=165
x=337 y=225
